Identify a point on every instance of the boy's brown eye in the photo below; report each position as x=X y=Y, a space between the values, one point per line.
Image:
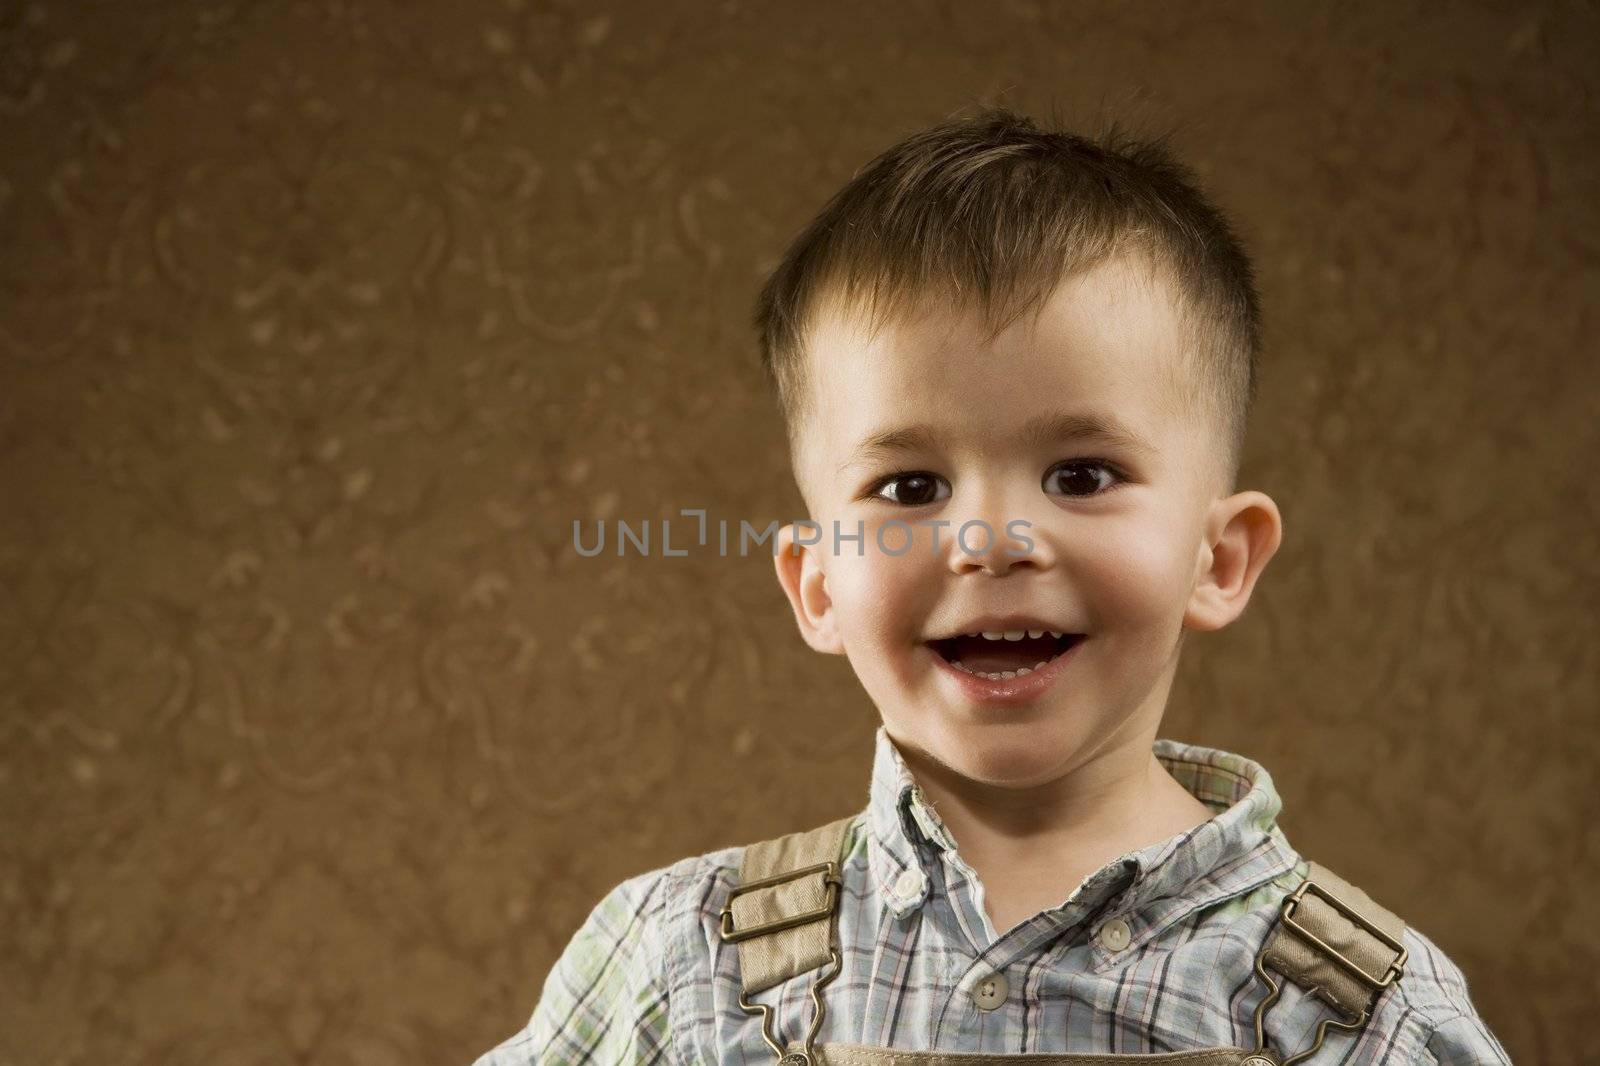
x=913 y=490
x=1079 y=477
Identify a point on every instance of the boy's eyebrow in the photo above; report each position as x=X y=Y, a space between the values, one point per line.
x=1045 y=429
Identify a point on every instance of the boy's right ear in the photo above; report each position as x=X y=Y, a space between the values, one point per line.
x=804 y=582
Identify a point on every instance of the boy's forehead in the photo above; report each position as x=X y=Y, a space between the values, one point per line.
x=1109 y=337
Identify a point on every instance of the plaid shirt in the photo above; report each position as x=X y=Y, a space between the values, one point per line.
x=1153 y=953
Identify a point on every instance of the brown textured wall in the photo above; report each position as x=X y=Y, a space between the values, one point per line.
x=323 y=320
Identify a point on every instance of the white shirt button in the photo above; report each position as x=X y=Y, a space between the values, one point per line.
x=909 y=884
x=1114 y=935
x=990 y=992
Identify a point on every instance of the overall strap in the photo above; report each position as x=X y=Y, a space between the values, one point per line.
x=781 y=917
x=1332 y=940
x=781 y=913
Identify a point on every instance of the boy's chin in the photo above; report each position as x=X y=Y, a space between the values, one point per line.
x=1010 y=755
x=1020 y=762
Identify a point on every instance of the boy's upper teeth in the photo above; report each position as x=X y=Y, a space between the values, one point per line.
x=1014 y=634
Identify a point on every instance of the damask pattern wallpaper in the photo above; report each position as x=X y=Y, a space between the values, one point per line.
x=323 y=320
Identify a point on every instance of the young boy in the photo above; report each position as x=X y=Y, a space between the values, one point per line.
x=1016 y=367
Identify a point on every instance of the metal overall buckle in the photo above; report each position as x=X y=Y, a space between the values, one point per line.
x=804 y=1054
x=831 y=881
x=1377 y=983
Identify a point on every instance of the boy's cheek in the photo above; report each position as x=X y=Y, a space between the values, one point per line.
x=877 y=597
x=1129 y=572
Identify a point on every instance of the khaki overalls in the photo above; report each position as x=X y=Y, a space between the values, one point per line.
x=1330 y=939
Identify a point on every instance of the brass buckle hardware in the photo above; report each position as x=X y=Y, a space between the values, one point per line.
x=1396 y=968
x=830 y=878
x=1272 y=997
x=805 y=1054
x=1290 y=904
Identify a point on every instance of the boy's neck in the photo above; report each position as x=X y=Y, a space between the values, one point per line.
x=1033 y=847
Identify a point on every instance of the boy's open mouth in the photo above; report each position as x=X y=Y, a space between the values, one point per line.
x=1002 y=655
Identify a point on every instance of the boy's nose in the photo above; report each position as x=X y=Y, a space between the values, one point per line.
x=997 y=543
x=997 y=560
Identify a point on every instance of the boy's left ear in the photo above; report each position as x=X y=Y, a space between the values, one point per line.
x=1242 y=533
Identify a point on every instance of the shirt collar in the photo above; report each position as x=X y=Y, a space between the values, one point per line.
x=899 y=823
x=1238 y=848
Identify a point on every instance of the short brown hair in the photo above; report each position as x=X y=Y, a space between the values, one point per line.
x=994 y=212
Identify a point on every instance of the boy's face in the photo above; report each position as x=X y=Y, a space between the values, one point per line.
x=1131 y=537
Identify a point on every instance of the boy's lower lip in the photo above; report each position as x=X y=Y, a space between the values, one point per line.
x=1022 y=689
